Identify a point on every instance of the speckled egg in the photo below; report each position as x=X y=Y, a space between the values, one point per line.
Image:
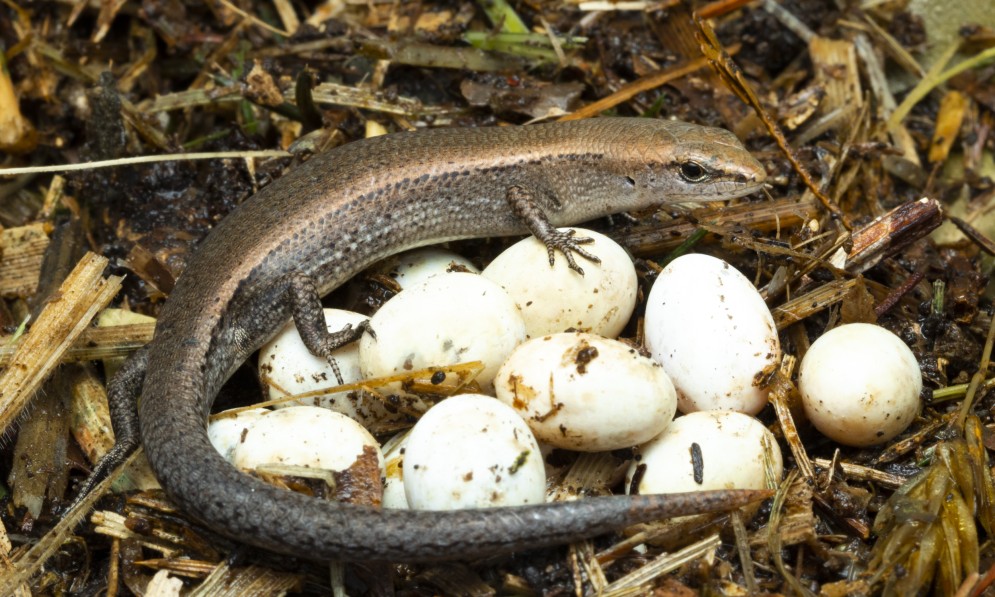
x=227 y=429
x=393 y=487
x=703 y=451
x=557 y=299
x=445 y=320
x=472 y=451
x=307 y=436
x=714 y=335
x=411 y=268
x=289 y=368
x=584 y=392
x=860 y=384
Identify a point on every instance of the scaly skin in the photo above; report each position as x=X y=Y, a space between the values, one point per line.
x=344 y=210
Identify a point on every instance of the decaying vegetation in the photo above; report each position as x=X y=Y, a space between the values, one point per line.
x=875 y=128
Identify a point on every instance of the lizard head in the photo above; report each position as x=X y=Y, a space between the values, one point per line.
x=679 y=162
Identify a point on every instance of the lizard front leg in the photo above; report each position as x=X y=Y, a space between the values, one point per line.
x=526 y=207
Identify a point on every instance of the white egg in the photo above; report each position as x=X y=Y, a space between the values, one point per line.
x=556 y=299
x=227 y=430
x=714 y=335
x=730 y=453
x=584 y=392
x=472 y=451
x=393 y=487
x=289 y=369
x=860 y=384
x=446 y=320
x=411 y=268
x=307 y=436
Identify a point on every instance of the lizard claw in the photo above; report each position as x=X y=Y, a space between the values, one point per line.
x=364 y=326
x=567 y=243
x=349 y=333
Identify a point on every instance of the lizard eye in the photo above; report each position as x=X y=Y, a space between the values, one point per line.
x=693 y=172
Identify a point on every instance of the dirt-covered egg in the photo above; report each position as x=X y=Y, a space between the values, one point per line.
x=307 y=436
x=226 y=430
x=584 y=392
x=472 y=451
x=289 y=368
x=557 y=299
x=393 y=486
x=445 y=320
x=860 y=384
x=714 y=335
x=706 y=450
x=414 y=267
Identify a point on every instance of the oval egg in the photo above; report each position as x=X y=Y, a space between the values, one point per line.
x=393 y=487
x=450 y=319
x=411 y=268
x=472 y=451
x=307 y=436
x=584 y=392
x=228 y=428
x=860 y=384
x=706 y=450
x=600 y=301
x=288 y=368
x=714 y=335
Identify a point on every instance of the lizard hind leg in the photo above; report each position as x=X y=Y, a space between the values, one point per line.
x=305 y=305
x=122 y=397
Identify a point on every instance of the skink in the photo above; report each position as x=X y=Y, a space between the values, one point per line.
x=338 y=213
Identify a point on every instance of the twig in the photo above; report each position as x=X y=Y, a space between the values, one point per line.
x=146 y=159
x=629 y=91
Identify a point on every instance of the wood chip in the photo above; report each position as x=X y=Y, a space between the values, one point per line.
x=893 y=232
x=23 y=249
x=95 y=343
x=249 y=580
x=834 y=63
x=81 y=296
x=953 y=107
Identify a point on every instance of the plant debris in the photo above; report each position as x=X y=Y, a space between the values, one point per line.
x=874 y=120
